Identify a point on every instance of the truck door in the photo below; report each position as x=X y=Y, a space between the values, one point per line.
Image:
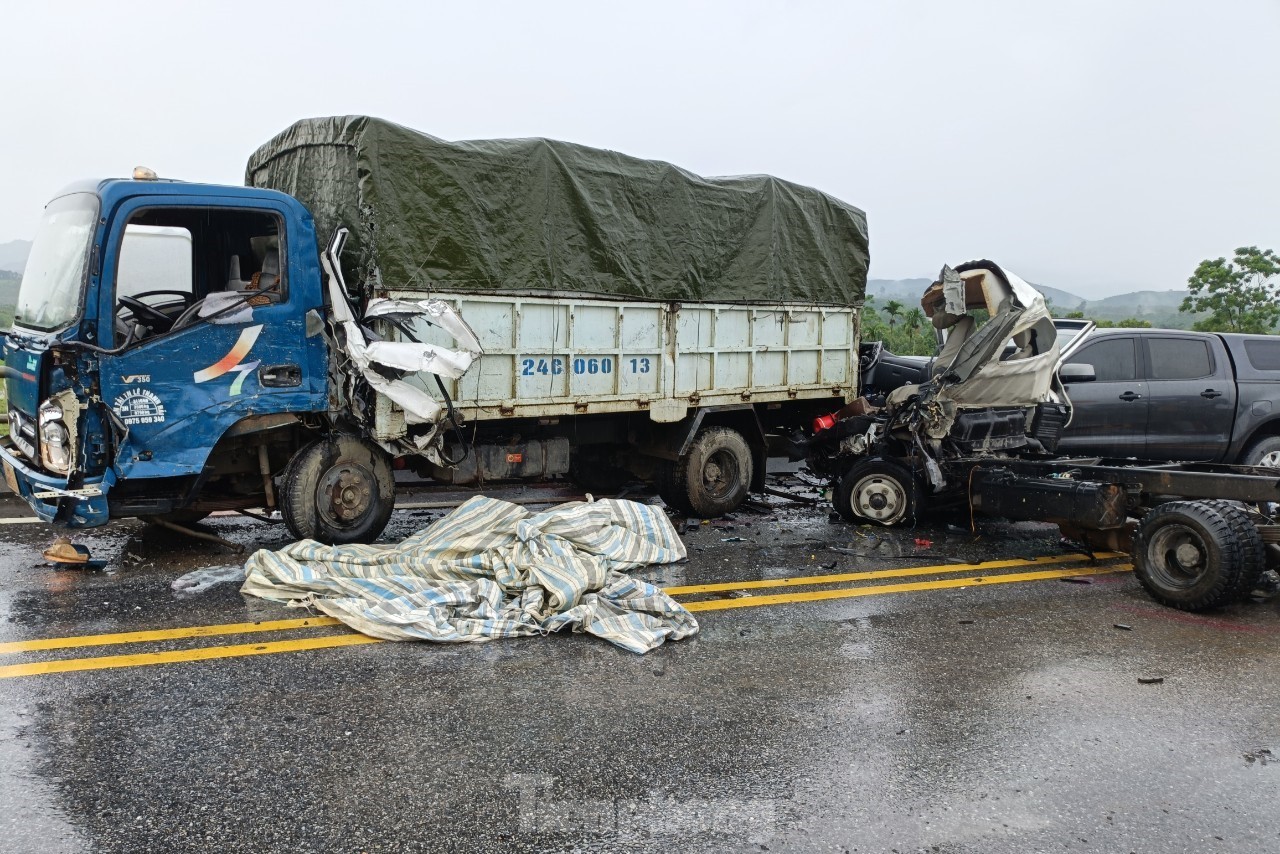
x=1108 y=415
x=197 y=305
x=1192 y=398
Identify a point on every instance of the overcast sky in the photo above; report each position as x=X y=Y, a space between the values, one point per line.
x=1098 y=147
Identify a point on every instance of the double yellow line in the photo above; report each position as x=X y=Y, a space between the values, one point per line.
x=745 y=599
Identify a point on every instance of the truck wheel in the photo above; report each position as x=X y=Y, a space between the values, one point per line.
x=1187 y=556
x=1264 y=452
x=713 y=478
x=877 y=491
x=338 y=490
x=1253 y=551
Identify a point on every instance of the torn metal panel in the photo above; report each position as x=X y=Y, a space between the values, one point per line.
x=983 y=373
x=373 y=361
x=434 y=311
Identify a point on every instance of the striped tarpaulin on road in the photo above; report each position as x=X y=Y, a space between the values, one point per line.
x=492 y=569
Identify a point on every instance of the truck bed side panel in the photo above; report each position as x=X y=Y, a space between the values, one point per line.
x=548 y=356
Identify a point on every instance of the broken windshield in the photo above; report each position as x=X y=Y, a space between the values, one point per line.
x=49 y=297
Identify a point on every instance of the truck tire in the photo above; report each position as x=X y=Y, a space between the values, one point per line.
x=1187 y=556
x=1264 y=452
x=338 y=490
x=1253 y=550
x=664 y=480
x=879 y=491
x=713 y=478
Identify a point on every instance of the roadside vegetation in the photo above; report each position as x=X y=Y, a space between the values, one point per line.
x=1240 y=295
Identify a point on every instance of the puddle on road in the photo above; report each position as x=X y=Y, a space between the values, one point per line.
x=199 y=581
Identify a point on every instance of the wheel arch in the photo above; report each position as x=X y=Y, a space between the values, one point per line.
x=1266 y=430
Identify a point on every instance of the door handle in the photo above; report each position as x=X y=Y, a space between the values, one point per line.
x=1129 y=395
x=1210 y=393
x=280 y=376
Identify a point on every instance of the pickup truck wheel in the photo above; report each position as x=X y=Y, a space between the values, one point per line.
x=1264 y=452
x=1186 y=555
x=713 y=478
x=338 y=490
x=879 y=491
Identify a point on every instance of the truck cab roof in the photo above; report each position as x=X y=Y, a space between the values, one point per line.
x=112 y=191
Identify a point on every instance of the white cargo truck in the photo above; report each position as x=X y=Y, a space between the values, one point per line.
x=630 y=319
x=685 y=394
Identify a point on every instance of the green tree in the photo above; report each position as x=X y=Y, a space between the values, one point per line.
x=893 y=308
x=914 y=319
x=1241 y=294
x=1127 y=323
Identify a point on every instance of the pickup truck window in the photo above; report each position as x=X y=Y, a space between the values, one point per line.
x=1263 y=355
x=1113 y=359
x=1179 y=358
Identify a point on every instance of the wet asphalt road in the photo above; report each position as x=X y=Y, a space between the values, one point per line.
x=987 y=717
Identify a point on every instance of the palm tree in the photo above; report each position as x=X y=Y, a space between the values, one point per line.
x=893 y=308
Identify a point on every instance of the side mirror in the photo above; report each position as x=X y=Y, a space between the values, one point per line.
x=1077 y=373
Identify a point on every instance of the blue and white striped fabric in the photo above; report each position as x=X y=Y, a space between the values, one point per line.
x=491 y=569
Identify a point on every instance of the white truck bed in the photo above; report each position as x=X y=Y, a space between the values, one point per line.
x=548 y=357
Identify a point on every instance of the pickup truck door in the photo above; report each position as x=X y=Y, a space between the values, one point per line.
x=1192 y=394
x=1109 y=415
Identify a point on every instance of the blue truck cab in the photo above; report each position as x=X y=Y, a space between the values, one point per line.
x=167 y=359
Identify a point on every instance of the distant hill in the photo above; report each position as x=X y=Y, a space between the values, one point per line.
x=1160 y=308
x=13 y=255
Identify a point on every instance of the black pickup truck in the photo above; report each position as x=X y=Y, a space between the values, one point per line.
x=1163 y=394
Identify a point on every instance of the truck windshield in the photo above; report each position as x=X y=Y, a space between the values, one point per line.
x=49 y=296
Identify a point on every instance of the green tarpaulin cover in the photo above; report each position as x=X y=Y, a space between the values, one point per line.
x=540 y=215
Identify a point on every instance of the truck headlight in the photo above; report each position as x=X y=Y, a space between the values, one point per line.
x=55 y=439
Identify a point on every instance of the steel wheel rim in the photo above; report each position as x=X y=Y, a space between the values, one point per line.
x=721 y=475
x=1270 y=460
x=345 y=495
x=880 y=498
x=1177 y=557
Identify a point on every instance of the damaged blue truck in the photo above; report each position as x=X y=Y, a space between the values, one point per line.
x=374 y=297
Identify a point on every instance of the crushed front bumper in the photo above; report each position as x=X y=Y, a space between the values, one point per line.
x=50 y=497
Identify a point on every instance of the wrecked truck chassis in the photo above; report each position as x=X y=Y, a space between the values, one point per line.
x=1200 y=534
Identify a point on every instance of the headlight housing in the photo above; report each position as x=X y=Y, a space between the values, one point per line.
x=55 y=439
